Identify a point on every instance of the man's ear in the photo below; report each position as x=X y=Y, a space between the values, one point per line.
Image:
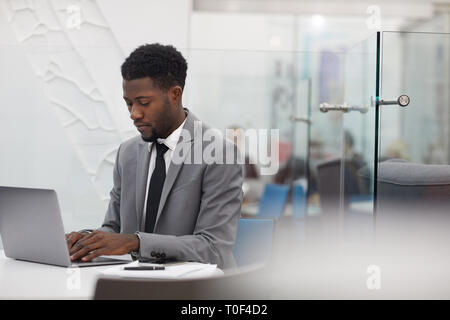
x=175 y=93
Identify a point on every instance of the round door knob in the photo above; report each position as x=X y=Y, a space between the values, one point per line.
x=403 y=100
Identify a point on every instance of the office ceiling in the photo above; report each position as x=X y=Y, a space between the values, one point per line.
x=398 y=8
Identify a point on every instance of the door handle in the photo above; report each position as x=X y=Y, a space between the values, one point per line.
x=325 y=107
x=401 y=101
x=300 y=119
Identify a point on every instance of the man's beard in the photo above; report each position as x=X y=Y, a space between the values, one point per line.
x=164 y=123
x=153 y=138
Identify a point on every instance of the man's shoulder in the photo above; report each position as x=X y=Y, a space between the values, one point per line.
x=203 y=132
x=131 y=143
x=215 y=147
x=206 y=135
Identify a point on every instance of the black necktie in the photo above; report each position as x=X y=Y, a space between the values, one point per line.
x=155 y=187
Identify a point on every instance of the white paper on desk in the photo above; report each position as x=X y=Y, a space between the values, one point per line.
x=186 y=270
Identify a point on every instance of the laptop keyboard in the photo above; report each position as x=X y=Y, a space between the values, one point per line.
x=98 y=259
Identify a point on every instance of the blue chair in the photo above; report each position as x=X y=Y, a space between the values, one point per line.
x=273 y=201
x=361 y=198
x=253 y=241
x=298 y=202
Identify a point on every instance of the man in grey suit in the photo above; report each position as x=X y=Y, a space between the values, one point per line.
x=165 y=203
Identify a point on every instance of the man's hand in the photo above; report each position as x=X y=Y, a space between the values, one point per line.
x=100 y=243
x=73 y=237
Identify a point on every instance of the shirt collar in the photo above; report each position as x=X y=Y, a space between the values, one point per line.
x=172 y=140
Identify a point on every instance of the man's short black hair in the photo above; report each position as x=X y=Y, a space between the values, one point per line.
x=162 y=63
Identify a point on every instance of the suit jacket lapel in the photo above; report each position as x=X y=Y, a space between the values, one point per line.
x=175 y=168
x=143 y=160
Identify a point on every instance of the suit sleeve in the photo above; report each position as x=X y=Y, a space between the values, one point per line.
x=112 y=217
x=216 y=227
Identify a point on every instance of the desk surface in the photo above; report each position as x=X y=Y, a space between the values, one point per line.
x=28 y=280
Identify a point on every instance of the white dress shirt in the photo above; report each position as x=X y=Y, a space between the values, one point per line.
x=171 y=142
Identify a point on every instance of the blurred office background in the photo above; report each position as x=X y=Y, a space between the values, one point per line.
x=252 y=64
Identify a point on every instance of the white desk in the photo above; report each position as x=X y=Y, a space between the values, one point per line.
x=28 y=280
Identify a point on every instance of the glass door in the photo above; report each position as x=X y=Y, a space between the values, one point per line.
x=414 y=151
x=346 y=180
x=300 y=164
x=357 y=171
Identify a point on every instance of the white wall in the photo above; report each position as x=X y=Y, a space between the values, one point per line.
x=62 y=115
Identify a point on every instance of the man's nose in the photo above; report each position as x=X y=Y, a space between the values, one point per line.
x=135 y=113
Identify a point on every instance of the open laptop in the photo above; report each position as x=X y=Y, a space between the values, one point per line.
x=31 y=228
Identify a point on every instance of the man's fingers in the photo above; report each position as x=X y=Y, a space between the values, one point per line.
x=69 y=240
x=83 y=250
x=72 y=238
x=94 y=254
x=84 y=241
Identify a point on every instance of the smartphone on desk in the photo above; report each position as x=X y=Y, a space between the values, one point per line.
x=154 y=264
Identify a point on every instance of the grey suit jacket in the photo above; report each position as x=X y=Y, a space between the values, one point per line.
x=200 y=203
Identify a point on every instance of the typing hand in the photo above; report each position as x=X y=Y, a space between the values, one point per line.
x=73 y=238
x=100 y=243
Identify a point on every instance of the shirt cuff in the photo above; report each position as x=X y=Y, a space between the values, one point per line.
x=135 y=255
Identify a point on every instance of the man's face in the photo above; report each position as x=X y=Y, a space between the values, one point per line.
x=150 y=108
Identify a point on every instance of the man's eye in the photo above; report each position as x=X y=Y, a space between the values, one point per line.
x=144 y=103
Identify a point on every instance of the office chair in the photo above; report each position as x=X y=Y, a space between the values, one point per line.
x=406 y=188
x=253 y=243
x=298 y=201
x=329 y=183
x=273 y=201
x=413 y=201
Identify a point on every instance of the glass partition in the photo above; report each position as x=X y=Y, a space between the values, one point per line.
x=414 y=145
x=343 y=139
x=257 y=94
x=413 y=179
x=327 y=85
x=359 y=139
x=417 y=65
